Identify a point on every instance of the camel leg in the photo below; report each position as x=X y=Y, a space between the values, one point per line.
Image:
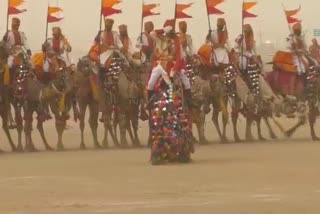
x=82 y=115
x=135 y=126
x=271 y=132
x=258 y=120
x=215 y=119
x=28 y=132
x=235 y=117
x=19 y=122
x=301 y=122
x=201 y=129
x=225 y=119
x=60 y=127
x=93 y=121
x=312 y=120
x=106 y=129
x=6 y=130
x=123 y=126
x=249 y=122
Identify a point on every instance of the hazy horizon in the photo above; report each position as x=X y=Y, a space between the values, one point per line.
x=81 y=20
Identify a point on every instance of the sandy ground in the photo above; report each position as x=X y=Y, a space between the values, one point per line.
x=251 y=178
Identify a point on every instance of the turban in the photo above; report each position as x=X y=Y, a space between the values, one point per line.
x=182 y=25
x=221 y=21
x=297 y=26
x=15 y=21
x=123 y=27
x=109 y=21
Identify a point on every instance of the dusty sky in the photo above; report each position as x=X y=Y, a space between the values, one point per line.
x=81 y=20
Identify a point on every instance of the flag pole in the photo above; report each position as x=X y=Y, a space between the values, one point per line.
x=99 y=32
x=242 y=37
x=208 y=16
x=142 y=19
x=8 y=15
x=47 y=24
x=175 y=13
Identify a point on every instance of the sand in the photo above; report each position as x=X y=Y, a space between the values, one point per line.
x=273 y=177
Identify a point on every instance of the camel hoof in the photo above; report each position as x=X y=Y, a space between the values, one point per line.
x=49 y=149
x=238 y=140
x=82 y=146
x=19 y=148
x=288 y=134
x=204 y=142
x=315 y=138
x=273 y=136
x=224 y=140
x=250 y=139
x=31 y=149
x=97 y=146
x=60 y=147
x=105 y=145
x=262 y=139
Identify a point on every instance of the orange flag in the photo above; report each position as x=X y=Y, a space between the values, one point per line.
x=147 y=10
x=212 y=7
x=108 y=7
x=52 y=14
x=290 y=14
x=180 y=14
x=246 y=7
x=13 y=7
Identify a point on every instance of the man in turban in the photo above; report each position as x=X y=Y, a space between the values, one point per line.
x=15 y=39
x=298 y=48
x=314 y=50
x=170 y=61
x=59 y=46
x=185 y=40
x=126 y=42
x=220 y=41
x=246 y=47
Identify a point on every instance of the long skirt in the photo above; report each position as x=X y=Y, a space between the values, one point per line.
x=171 y=129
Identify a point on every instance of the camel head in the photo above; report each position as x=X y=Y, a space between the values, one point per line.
x=64 y=81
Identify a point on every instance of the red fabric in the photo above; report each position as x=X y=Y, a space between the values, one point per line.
x=222 y=37
x=286 y=83
x=108 y=39
x=180 y=62
x=17 y=38
x=125 y=42
x=150 y=40
x=249 y=42
x=56 y=45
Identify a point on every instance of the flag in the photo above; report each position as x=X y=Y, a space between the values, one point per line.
x=108 y=7
x=13 y=7
x=52 y=14
x=211 y=7
x=147 y=10
x=245 y=10
x=180 y=14
x=290 y=14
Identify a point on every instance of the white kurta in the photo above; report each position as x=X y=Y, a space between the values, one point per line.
x=117 y=46
x=221 y=55
x=10 y=42
x=243 y=53
x=63 y=53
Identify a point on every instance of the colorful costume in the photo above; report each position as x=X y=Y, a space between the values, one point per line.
x=16 y=43
x=220 y=41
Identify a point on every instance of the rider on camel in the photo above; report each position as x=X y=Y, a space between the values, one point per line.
x=186 y=41
x=15 y=40
x=314 y=50
x=170 y=60
x=220 y=41
x=147 y=41
x=246 y=46
x=59 y=46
